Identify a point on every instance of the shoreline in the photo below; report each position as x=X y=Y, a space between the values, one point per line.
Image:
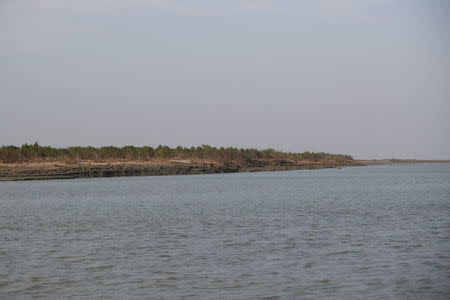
x=88 y=169
x=370 y=162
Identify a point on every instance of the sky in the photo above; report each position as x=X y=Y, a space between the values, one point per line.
x=370 y=78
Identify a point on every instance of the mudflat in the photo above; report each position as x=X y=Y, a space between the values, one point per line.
x=92 y=169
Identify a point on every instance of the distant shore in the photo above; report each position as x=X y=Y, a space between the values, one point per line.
x=33 y=161
x=400 y=161
x=36 y=162
x=86 y=169
x=89 y=169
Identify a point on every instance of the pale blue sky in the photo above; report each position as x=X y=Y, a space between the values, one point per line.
x=368 y=78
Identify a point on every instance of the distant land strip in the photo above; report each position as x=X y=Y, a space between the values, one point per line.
x=394 y=161
x=32 y=161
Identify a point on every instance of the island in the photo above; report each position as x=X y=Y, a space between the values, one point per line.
x=33 y=161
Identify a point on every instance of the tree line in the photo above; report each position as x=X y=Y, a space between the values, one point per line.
x=37 y=153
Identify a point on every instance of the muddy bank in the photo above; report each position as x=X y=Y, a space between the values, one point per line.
x=55 y=170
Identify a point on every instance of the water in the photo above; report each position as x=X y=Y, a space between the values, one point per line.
x=374 y=232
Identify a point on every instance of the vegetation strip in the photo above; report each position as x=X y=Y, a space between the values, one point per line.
x=44 y=162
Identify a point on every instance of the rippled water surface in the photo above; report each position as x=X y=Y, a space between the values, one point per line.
x=364 y=232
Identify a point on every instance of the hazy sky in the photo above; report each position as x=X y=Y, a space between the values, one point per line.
x=369 y=78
